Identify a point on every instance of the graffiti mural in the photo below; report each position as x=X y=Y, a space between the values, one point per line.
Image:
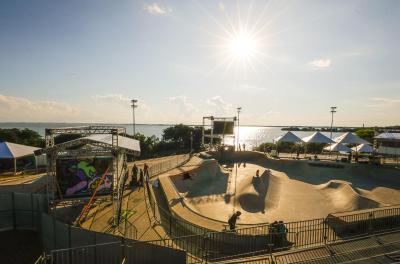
x=80 y=177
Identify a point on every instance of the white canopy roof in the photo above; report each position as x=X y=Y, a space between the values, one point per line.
x=288 y=137
x=12 y=150
x=317 y=137
x=337 y=147
x=350 y=138
x=390 y=136
x=363 y=148
x=123 y=142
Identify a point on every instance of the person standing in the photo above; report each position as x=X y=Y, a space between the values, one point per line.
x=232 y=220
x=134 y=174
x=140 y=177
x=146 y=171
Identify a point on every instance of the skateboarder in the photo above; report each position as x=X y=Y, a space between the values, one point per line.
x=232 y=220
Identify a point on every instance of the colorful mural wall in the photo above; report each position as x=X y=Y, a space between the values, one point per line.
x=80 y=177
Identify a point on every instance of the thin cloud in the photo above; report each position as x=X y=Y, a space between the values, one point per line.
x=185 y=108
x=156 y=9
x=321 y=63
x=17 y=109
x=118 y=98
x=220 y=106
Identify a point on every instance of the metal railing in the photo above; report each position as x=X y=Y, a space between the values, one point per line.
x=163 y=166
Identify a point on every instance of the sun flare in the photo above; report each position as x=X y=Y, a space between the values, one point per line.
x=242 y=46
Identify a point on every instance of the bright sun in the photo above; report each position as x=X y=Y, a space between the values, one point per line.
x=242 y=46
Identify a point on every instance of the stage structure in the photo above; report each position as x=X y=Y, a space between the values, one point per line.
x=93 y=164
x=221 y=127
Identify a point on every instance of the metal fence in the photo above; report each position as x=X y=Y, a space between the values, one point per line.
x=163 y=166
x=208 y=245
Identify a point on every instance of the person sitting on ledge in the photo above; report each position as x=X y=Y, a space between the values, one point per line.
x=232 y=220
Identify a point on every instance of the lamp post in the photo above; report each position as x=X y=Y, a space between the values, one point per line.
x=133 y=105
x=333 y=110
x=239 y=109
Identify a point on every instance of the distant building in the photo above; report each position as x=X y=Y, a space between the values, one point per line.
x=388 y=144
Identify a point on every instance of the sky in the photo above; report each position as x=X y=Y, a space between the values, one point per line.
x=283 y=62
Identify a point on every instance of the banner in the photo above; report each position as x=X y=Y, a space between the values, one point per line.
x=80 y=177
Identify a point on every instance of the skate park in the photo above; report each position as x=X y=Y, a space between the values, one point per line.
x=287 y=190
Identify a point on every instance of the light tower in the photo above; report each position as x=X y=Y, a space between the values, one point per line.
x=333 y=110
x=239 y=109
x=133 y=105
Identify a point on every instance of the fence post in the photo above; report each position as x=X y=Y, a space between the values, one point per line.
x=13 y=211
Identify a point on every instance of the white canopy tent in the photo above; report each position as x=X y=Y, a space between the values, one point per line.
x=14 y=151
x=363 y=148
x=123 y=142
x=317 y=137
x=337 y=147
x=350 y=138
x=288 y=137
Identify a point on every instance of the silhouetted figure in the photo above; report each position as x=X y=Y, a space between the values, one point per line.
x=282 y=230
x=297 y=154
x=141 y=176
x=134 y=179
x=232 y=220
x=146 y=171
x=244 y=147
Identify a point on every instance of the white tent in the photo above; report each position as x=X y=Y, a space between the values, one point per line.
x=123 y=142
x=350 y=138
x=288 y=137
x=363 y=148
x=337 y=147
x=14 y=151
x=317 y=137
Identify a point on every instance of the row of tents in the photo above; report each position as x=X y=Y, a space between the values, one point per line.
x=338 y=144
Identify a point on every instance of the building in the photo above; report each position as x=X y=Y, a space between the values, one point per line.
x=388 y=144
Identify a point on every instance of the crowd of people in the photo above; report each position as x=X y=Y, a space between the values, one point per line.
x=139 y=176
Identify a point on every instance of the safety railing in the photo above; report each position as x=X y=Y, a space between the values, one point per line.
x=163 y=166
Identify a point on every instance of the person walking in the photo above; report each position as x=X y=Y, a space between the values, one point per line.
x=232 y=220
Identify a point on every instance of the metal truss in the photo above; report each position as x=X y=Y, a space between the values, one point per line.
x=89 y=148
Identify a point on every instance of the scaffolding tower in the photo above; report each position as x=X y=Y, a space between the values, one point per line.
x=87 y=148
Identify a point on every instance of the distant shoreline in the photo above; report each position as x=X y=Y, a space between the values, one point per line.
x=286 y=127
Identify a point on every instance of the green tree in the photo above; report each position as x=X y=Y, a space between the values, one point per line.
x=22 y=136
x=366 y=133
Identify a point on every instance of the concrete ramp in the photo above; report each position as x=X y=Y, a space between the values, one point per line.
x=346 y=198
x=261 y=193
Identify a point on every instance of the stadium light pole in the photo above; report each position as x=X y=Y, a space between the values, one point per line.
x=133 y=105
x=333 y=110
x=239 y=109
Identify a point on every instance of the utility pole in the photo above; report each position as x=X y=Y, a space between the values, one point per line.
x=191 y=141
x=239 y=109
x=133 y=105
x=333 y=110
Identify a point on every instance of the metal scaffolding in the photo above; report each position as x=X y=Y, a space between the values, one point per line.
x=87 y=148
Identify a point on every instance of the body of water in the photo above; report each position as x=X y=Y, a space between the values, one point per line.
x=250 y=135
